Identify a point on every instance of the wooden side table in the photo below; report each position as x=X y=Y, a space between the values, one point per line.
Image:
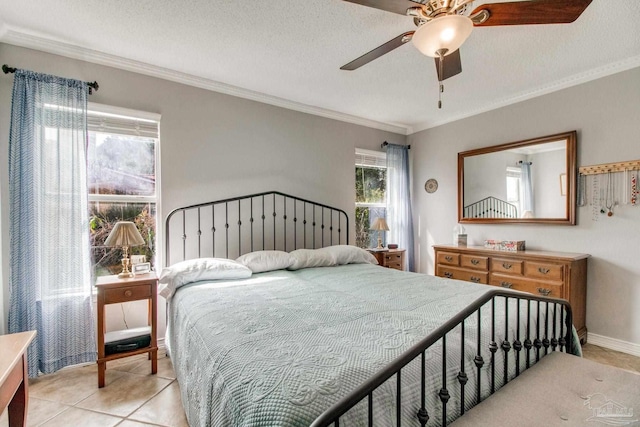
x=112 y=290
x=390 y=258
x=14 y=376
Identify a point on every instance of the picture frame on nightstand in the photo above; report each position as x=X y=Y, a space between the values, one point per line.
x=141 y=268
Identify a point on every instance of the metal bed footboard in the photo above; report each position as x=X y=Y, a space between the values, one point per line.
x=547 y=337
x=264 y=221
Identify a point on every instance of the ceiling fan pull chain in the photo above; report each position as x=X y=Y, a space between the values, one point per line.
x=441 y=53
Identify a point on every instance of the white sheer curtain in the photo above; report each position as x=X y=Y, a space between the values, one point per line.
x=399 y=217
x=50 y=271
x=527 y=188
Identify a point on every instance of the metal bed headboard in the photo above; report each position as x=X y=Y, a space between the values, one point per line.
x=271 y=220
x=491 y=207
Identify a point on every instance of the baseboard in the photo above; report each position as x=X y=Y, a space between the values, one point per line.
x=161 y=344
x=614 y=344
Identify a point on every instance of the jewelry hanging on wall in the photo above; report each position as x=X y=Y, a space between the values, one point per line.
x=634 y=189
x=582 y=190
x=609 y=198
x=626 y=183
x=595 y=193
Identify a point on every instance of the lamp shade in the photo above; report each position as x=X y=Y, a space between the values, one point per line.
x=124 y=233
x=445 y=32
x=380 y=225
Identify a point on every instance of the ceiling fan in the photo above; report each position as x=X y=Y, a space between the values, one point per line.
x=444 y=25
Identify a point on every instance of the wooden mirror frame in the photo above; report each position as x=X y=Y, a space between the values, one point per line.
x=570 y=217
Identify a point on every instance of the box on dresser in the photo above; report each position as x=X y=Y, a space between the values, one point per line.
x=553 y=274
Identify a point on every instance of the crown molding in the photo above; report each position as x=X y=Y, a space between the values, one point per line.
x=576 y=79
x=30 y=41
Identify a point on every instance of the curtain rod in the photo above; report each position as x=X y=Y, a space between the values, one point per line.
x=384 y=144
x=521 y=162
x=92 y=85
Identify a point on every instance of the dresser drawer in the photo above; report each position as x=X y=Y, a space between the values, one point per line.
x=390 y=258
x=545 y=271
x=554 y=290
x=474 y=262
x=505 y=265
x=395 y=264
x=129 y=293
x=448 y=258
x=460 y=274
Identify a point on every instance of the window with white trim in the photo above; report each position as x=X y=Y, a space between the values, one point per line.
x=371 y=185
x=122 y=166
x=513 y=179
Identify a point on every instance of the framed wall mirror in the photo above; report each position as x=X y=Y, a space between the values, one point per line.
x=532 y=181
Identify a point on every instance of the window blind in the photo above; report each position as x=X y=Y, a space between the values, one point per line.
x=125 y=122
x=370 y=158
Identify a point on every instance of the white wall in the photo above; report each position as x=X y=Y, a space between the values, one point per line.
x=606 y=113
x=213 y=146
x=546 y=170
x=487 y=175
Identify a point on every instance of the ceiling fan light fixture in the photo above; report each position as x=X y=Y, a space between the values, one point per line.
x=443 y=33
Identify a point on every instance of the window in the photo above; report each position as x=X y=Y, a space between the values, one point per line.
x=371 y=177
x=513 y=187
x=122 y=165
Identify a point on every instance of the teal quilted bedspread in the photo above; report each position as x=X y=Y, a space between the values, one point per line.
x=281 y=347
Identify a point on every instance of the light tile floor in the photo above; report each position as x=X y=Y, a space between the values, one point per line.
x=133 y=397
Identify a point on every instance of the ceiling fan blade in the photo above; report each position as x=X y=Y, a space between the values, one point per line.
x=451 y=65
x=378 y=52
x=532 y=12
x=395 y=6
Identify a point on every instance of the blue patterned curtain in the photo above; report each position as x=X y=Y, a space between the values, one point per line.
x=399 y=217
x=50 y=271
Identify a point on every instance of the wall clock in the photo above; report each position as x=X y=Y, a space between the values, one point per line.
x=431 y=185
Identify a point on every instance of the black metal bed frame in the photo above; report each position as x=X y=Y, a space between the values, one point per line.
x=490 y=207
x=310 y=225
x=313 y=225
x=547 y=340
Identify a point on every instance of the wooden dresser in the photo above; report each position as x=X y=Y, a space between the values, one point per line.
x=390 y=258
x=553 y=274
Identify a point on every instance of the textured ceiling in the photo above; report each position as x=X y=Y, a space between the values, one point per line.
x=291 y=51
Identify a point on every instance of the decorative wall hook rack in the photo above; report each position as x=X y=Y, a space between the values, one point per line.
x=610 y=167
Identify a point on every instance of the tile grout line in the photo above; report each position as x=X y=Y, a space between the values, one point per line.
x=147 y=401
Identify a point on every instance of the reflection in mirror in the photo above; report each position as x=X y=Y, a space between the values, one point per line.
x=523 y=181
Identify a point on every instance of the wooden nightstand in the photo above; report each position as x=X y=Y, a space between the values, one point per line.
x=112 y=290
x=390 y=258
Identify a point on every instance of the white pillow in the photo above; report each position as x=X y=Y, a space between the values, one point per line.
x=260 y=261
x=347 y=254
x=306 y=258
x=194 y=270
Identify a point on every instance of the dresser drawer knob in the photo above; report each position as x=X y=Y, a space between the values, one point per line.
x=506 y=285
x=475 y=279
x=448 y=274
x=544 y=291
x=506 y=266
x=128 y=293
x=448 y=258
x=475 y=261
x=543 y=270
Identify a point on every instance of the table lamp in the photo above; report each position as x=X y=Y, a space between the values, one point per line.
x=379 y=225
x=125 y=234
